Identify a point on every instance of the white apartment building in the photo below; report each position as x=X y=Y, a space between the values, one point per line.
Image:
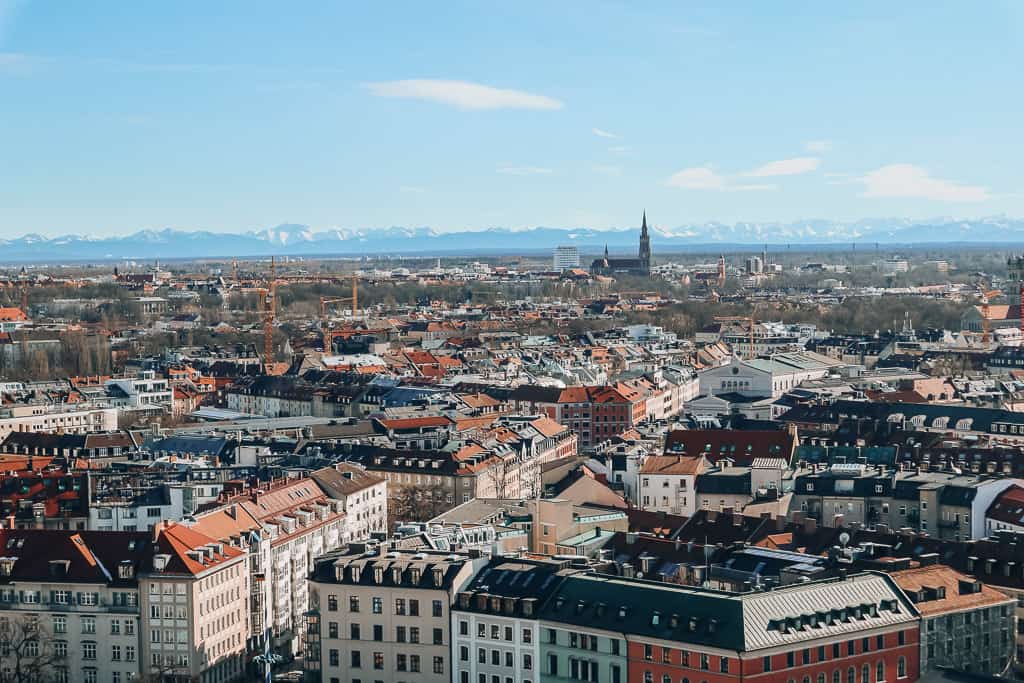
x=79 y=591
x=145 y=390
x=364 y=498
x=69 y=418
x=495 y=634
x=565 y=257
x=668 y=483
x=140 y=512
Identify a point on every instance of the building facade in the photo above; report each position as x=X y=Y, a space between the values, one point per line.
x=384 y=615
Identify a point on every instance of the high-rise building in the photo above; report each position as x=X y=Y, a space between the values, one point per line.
x=566 y=257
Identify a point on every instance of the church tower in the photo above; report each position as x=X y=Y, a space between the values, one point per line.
x=645 y=246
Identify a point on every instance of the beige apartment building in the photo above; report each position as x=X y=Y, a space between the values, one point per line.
x=195 y=608
x=384 y=615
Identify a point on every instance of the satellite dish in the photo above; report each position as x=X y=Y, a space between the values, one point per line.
x=844 y=538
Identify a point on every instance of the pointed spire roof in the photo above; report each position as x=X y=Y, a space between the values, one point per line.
x=643 y=228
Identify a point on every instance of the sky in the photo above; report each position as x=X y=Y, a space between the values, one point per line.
x=231 y=116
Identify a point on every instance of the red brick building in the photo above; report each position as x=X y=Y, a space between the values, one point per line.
x=861 y=629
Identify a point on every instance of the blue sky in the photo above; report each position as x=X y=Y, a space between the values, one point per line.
x=120 y=116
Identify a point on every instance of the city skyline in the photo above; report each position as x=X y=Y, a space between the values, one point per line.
x=569 y=116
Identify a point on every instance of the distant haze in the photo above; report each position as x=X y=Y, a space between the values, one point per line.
x=301 y=240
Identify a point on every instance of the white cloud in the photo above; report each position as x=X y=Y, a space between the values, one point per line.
x=705 y=178
x=463 y=94
x=910 y=181
x=603 y=133
x=818 y=146
x=523 y=170
x=794 y=166
x=411 y=189
x=697 y=178
x=619 y=149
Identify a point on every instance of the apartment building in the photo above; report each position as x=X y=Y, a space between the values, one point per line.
x=668 y=483
x=140 y=392
x=495 y=635
x=69 y=604
x=384 y=615
x=68 y=418
x=947 y=505
x=364 y=498
x=965 y=625
x=594 y=413
x=857 y=629
x=194 y=602
x=284 y=525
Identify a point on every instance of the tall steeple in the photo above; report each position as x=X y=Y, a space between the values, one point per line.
x=645 y=245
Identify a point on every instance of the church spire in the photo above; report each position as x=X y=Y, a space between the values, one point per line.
x=645 y=246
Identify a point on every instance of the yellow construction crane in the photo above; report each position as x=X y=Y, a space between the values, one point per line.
x=325 y=301
x=740 y=318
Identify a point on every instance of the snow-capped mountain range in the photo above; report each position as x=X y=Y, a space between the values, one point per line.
x=302 y=240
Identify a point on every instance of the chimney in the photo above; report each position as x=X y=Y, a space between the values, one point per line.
x=810 y=525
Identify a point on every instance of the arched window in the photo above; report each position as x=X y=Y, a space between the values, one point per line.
x=880 y=671
x=821 y=677
x=807 y=679
x=837 y=677
x=851 y=675
x=865 y=674
x=901 y=668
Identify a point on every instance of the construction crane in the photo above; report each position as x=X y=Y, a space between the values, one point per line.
x=740 y=318
x=268 y=309
x=986 y=299
x=325 y=301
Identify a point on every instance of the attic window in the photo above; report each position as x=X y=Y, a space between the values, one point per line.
x=655 y=619
x=622 y=613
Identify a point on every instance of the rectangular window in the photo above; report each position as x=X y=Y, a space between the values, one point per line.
x=766 y=664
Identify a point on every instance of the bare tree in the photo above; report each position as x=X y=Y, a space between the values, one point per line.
x=417 y=503
x=28 y=651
